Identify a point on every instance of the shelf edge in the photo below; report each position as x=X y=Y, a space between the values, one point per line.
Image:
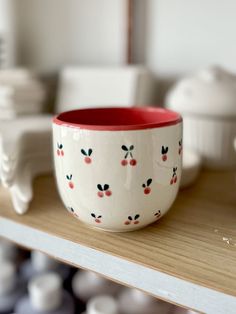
x=161 y=285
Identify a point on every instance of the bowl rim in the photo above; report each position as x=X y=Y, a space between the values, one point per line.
x=159 y=117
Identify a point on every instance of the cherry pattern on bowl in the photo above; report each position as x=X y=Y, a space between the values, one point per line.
x=128 y=157
x=157 y=214
x=97 y=219
x=70 y=183
x=60 y=151
x=132 y=220
x=174 y=176
x=72 y=211
x=146 y=187
x=87 y=154
x=180 y=146
x=164 y=151
x=104 y=190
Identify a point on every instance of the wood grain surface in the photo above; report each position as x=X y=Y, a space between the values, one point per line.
x=195 y=241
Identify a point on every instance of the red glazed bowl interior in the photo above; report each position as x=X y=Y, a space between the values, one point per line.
x=118 y=118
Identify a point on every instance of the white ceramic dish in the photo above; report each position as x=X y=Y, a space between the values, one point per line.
x=118 y=169
x=191 y=167
x=207 y=101
x=24 y=155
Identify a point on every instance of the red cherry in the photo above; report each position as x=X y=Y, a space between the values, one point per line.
x=88 y=160
x=175 y=179
x=108 y=193
x=127 y=222
x=71 y=185
x=164 y=157
x=124 y=162
x=136 y=222
x=172 y=181
x=147 y=190
x=97 y=220
x=133 y=162
x=100 y=194
x=62 y=152
x=58 y=152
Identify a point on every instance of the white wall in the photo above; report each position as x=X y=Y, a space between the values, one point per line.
x=52 y=33
x=179 y=36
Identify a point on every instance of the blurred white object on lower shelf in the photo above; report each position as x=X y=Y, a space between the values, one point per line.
x=25 y=152
x=40 y=263
x=133 y=301
x=191 y=167
x=8 y=250
x=87 y=284
x=46 y=295
x=82 y=87
x=103 y=304
x=21 y=93
x=11 y=287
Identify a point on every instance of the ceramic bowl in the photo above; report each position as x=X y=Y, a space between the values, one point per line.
x=118 y=169
x=206 y=100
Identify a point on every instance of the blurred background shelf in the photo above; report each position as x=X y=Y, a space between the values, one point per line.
x=187 y=258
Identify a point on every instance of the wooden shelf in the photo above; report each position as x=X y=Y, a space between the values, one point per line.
x=187 y=258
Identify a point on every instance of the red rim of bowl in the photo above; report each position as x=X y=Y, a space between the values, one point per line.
x=118 y=118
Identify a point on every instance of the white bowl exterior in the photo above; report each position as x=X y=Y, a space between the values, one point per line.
x=125 y=182
x=213 y=139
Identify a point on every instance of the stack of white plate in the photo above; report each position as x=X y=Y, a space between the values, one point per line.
x=25 y=152
x=21 y=93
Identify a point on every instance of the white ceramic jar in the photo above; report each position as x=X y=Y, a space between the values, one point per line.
x=118 y=169
x=207 y=102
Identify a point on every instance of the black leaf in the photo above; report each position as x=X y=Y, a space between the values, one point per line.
x=90 y=151
x=72 y=209
x=124 y=148
x=83 y=152
x=149 y=181
x=143 y=185
x=130 y=218
x=70 y=177
x=99 y=216
x=131 y=147
x=60 y=146
x=164 y=150
x=106 y=187
x=99 y=187
x=67 y=177
x=136 y=217
x=93 y=215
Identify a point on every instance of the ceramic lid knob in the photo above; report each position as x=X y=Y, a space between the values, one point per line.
x=102 y=305
x=41 y=262
x=7 y=277
x=210 y=92
x=212 y=74
x=45 y=292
